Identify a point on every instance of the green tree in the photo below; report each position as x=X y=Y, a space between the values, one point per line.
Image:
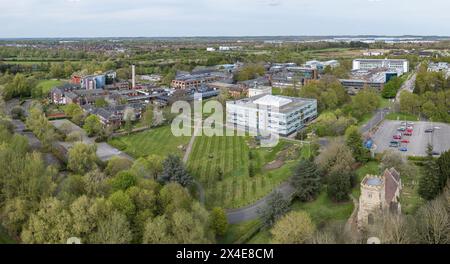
x=51 y=224
x=443 y=164
x=114 y=230
x=117 y=164
x=82 y=158
x=293 y=228
x=174 y=171
x=306 y=180
x=339 y=186
x=429 y=183
x=150 y=167
x=157 y=231
x=219 y=221
x=121 y=202
x=123 y=180
x=276 y=206
x=92 y=125
x=354 y=141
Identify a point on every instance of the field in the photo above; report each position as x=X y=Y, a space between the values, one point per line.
x=222 y=165
x=47 y=85
x=158 y=141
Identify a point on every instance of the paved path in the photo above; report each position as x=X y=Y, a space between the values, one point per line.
x=250 y=212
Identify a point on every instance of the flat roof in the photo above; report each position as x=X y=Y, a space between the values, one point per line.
x=285 y=104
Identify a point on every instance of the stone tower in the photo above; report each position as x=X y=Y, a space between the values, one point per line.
x=372 y=199
x=379 y=194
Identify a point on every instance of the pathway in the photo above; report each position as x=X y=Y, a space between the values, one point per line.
x=250 y=212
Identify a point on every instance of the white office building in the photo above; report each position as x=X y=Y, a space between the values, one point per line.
x=398 y=65
x=259 y=90
x=277 y=114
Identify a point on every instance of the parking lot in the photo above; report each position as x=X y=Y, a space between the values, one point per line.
x=418 y=142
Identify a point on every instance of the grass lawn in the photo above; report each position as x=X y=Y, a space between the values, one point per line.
x=230 y=155
x=323 y=209
x=4 y=238
x=402 y=117
x=47 y=85
x=410 y=199
x=159 y=141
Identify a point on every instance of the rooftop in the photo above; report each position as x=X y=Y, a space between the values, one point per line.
x=284 y=104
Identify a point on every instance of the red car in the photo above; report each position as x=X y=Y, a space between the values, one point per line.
x=405 y=141
x=397 y=137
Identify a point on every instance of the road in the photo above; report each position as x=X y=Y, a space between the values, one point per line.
x=375 y=120
x=250 y=212
x=408 y=86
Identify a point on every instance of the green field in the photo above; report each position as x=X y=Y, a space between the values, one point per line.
x=323 y=209
x=47 y=85
x=230 y=155
x=159 y=141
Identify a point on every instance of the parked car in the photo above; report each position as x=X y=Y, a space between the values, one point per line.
x=429 y=130
x=398 y=136
x=410 y=128
x=401 y=128
x=403 y=149
x=394 y=144
x=405 y=141
x=435 y=153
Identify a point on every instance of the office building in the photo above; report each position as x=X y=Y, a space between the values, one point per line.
x=400 y=66
x=278 y=114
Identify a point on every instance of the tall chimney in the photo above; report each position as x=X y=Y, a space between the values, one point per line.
x=133 y=76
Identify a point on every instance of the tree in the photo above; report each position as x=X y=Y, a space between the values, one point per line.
x=150 y=167
x=174 y=171
x=117 y=164
x=123 y=180
x=409 y=103
x=157 y=231
x=353 y=139
x=306 y=180
x=82 y=158
x=365 y=102
x=391 y=88
x=394 y=229
x=219 y=221
x=121 y=202
x=432 y=222
x=443 y=164
x=293 y=228
x=430 y=182
x=92 y=125
x=14 y=215
x=339 y=186
x=174 y=197
x=336 y=157
x=113 y=230
x=96 y=183
x=276 y=206
x=51 y=224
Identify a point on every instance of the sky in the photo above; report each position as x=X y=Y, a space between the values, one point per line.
x=175 y=18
